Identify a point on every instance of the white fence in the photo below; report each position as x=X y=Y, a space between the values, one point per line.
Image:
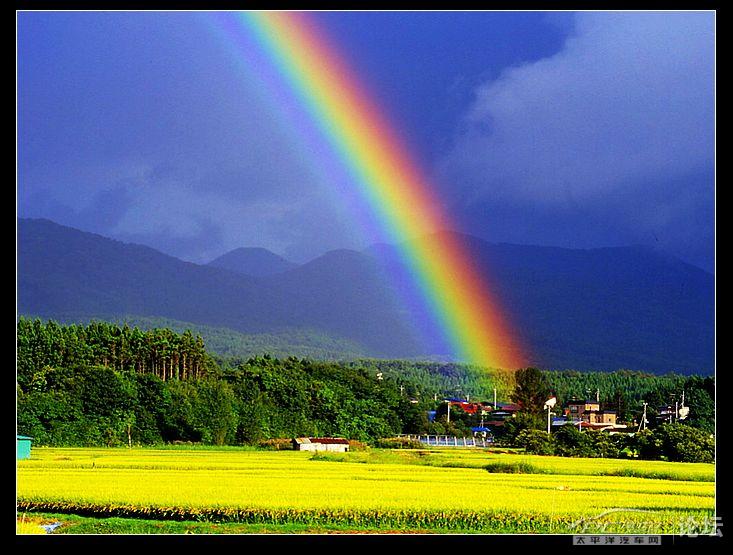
x=451 y=441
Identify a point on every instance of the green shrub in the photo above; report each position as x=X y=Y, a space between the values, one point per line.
x=512 y=468
x=536 y=442
x=398 y=443
x=676 y=442
x=277 y=444
x=571 y=442
x=604 y=445
x=355 y=445
x=521 y=421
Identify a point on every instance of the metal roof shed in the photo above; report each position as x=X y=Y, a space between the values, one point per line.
x=321 y=444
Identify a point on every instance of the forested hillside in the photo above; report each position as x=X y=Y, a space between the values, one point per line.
x=104 y=384
x=230 y=344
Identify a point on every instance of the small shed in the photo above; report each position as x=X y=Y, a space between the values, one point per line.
x=23 y=447
x=337 y=444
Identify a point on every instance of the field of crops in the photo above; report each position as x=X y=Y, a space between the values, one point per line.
x=376 y=490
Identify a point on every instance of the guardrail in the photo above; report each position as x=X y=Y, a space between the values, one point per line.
x=450 y=441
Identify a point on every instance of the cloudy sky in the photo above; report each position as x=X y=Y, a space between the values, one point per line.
x=569 y=129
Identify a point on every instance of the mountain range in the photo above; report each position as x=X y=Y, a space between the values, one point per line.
x=253 y=261
x=586 y=309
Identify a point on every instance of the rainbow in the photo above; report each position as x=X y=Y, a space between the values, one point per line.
x=397 y=193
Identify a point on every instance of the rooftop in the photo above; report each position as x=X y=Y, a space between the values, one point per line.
x=507 y=406
x=323 y=440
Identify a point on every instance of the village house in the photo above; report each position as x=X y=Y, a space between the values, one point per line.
x=666 y=414
x=501 y=413
x=587 y=414
x=468 y=408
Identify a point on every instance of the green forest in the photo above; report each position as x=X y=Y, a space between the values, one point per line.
x=226 y=343
x=108 y=384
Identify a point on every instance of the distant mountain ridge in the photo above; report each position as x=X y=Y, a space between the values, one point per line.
x=253 y=261
x=593 y=309
x=624 y=307
x=64 y=271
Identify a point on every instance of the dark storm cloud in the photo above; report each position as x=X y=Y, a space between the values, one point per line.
x=103 y=210
x=142 y=127
x=203 y=233
x=609 y=141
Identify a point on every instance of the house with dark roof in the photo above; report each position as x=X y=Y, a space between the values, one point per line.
x=501 y=413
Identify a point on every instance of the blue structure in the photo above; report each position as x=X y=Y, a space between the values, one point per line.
x=23 y=447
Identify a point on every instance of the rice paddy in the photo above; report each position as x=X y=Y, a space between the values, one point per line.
x=460 y=491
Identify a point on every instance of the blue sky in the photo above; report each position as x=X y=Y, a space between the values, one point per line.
x=569 y=129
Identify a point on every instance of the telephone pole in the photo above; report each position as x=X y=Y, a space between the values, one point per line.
x=642 y=424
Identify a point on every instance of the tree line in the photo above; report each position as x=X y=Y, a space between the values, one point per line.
x=160 y=351
x=102 y=384
x=671 y=441
x=691 y=440
x=106 y=384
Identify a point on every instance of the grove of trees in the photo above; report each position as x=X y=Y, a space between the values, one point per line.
x=103 y=384
x=108 y=384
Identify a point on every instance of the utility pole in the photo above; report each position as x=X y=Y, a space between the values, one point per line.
x=672 y=417
x=645 y=420
x=548 y=419
x=683 y=410
x=447 y=401
x=642 y=424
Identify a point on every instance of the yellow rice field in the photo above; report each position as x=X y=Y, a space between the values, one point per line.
x=366 y=489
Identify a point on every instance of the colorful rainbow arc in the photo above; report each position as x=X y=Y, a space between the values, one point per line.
x=396 y=190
